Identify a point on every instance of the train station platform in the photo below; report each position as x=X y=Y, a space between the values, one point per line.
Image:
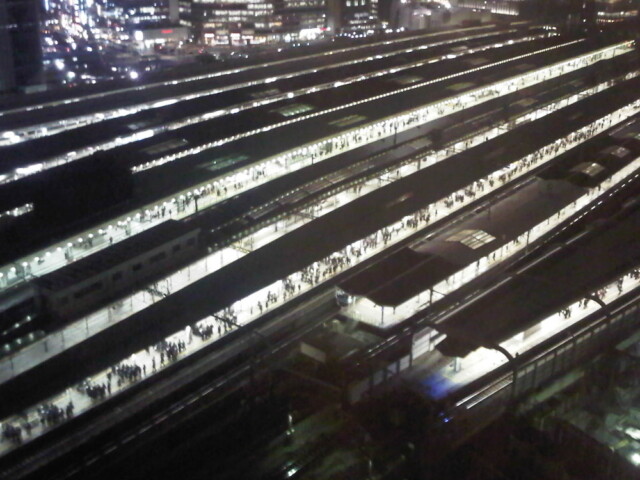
x=181 y=305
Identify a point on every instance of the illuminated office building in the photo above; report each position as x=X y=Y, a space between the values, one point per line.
x=149 y=23
x=502 y=7
x=142 y=13
x=419 y=14
x=615 y=11
x=353 y=16
x=249 y=22
x=146 y=12
x=569 y=12
x=20 y=47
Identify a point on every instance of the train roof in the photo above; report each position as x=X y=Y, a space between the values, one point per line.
x=111 y=258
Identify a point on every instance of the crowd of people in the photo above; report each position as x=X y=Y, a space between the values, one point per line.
x=223 y=323
x=98 y=391
x=49 y=414
x=11 y=432
x=126 y=372
x=169 y=350
x=204 y=330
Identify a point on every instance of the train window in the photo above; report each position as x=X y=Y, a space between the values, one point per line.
x=136 y=267
x=175 y=248
x=116 y=276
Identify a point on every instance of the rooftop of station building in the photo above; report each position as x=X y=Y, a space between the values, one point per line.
x=543 y=289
